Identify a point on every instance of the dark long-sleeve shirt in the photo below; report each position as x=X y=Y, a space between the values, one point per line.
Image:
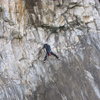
x=47 y=47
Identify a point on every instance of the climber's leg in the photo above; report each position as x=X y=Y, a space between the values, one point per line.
x=54 y=55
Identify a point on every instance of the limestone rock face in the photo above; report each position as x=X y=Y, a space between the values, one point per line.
x=71 y=27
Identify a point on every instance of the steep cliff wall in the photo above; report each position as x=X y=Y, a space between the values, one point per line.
x=71 y=27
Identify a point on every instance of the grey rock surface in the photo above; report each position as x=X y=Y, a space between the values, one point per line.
x=71 y=27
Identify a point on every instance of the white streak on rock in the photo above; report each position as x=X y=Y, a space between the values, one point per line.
x=93 y=84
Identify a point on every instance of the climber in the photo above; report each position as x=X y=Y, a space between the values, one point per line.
x=48 y=52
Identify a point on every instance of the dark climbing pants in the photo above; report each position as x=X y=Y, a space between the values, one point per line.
x=51 y=53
